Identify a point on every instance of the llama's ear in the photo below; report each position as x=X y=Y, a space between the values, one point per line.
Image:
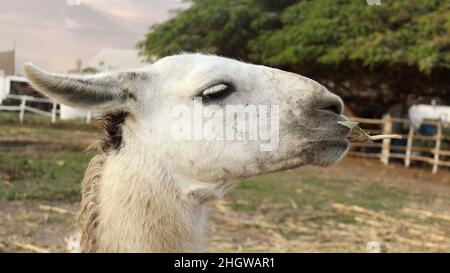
x=96 y=92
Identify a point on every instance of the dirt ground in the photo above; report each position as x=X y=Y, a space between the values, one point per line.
x=39 y=226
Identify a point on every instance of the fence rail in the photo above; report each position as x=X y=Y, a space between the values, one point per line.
x=437 y=155
x=23 y=107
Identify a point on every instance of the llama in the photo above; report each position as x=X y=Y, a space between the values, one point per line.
x=146 y=192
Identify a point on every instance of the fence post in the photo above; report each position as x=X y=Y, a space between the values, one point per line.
x=88 y=116
x=387 y=129
x=437 y=147
x=409 y=146
x=22 y=109
x=54 y=113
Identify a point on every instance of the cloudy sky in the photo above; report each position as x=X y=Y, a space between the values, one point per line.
x=53 y=33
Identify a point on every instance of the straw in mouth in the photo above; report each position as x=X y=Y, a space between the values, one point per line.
x=359 y=135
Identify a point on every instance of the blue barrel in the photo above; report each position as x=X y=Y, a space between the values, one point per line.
x=428 y=129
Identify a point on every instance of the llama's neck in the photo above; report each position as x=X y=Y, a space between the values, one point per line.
x=136 y=207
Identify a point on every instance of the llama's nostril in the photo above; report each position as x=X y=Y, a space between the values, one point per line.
x=331 y=104
x=328 y=102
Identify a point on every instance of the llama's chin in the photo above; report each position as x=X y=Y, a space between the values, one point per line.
x=327 y=153
x=321 y=153
x=330 y=153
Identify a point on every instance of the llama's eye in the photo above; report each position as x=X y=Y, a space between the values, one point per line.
x=217 y=91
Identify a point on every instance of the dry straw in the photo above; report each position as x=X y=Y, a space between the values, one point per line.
x=359 y=135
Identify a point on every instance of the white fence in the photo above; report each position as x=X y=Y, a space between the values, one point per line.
x=424 y=148
x=24 y=107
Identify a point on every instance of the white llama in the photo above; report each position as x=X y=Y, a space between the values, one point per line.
x=147 y=192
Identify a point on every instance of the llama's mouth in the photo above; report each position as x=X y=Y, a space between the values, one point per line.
x=319 y=153
x=326 y=144
x=326 y=152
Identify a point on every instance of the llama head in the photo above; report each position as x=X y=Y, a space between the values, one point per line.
x=212 y=119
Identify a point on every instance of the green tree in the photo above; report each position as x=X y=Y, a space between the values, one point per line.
x=373 y=56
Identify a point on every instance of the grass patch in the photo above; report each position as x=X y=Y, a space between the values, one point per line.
x=42 y=176
x=40 y=128
x=39 y=121
x=314 y=193
x=42 y=133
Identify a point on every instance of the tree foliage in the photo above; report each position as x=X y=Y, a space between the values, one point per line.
x=378 y=55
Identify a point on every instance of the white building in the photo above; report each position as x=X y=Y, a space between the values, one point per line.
x=5 y=83
x=7 y=69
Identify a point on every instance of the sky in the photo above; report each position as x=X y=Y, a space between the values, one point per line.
x=54 y=33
